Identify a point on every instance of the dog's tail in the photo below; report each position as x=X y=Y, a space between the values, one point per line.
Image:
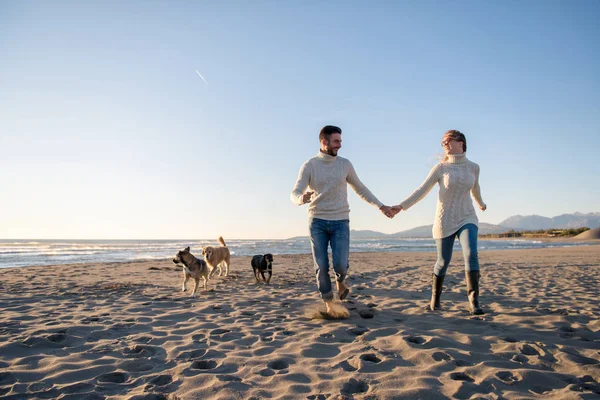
x=221 y=241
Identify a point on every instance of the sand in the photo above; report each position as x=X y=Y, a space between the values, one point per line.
x=126 y=331
x=592 y=234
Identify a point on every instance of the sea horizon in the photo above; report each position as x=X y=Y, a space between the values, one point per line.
x=39 y=252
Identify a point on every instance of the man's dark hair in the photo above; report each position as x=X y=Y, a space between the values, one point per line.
x=327 y=131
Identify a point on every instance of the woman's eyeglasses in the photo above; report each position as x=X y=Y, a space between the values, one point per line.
x=445 y=142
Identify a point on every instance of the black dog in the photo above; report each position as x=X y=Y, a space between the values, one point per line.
x=262 y=264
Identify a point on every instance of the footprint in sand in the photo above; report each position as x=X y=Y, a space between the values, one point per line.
x=461 y=376
x=266 y=372
x=160 y=380
x=529 y=350
x=219 y=331
x=346 y=366
x=462 y=363
x=192 y=354
x=6 y=378
x=354 y=386
x=89 y=320
x=320 y=351
x=204 y=364
x=371 y=357
x=358 y=330
x=507 y=376
x=510 y=339
x=40 y=386
x=441 y=356
x=266 y=337
x=278 y=364
x=78 y=388
x=136 y=366
x=139 y=351
x=520 y=358
x=414 y=339
x=566 y=332
x=143 y=339
x=57 y=337
x=366 y=314
x=149 y=396
x=113 y=377
x=228 y=378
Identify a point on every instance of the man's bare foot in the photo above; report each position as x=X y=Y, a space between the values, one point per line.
x=336 y=310
x=343 y=290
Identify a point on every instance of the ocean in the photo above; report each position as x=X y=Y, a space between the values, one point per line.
x=23 y=253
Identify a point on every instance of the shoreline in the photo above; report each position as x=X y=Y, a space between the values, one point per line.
x=567 y=243
x=126 y=331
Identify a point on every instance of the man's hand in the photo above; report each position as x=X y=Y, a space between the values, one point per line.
x=396 y=209
x=483 y=207
x=306 y=197
x=387 y=211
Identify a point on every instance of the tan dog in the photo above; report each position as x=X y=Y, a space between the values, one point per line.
x=192 y=268
x=215 y=256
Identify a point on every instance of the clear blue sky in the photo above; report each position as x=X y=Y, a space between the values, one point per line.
x=107 y=131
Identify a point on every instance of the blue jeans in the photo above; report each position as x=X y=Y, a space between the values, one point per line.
x=323 y=233
x=467 y=235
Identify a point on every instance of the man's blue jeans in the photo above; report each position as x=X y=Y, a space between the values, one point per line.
x=323 y=233
x=467 y=235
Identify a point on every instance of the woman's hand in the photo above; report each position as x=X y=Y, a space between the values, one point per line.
x=396 y=209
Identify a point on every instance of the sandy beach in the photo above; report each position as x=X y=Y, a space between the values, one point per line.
x=127 y=331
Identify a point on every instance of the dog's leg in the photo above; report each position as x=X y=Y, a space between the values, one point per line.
x=205 y=286
x=270 y=272
x=263 y=275
x=256 y=275
x=227 y=259
x=185 y=279
x=211 y=271
x=196 y=284
x=220 y=269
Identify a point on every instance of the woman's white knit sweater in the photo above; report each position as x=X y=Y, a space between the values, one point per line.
x=457 y=177
x=328 y=176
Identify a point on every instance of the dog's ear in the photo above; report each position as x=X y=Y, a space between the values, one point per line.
x=187 y=249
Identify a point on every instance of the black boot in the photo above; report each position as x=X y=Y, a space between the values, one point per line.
x=436 y=291
x=473 y=292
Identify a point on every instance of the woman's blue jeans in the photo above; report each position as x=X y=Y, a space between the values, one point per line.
x=322 y=234
x=467 y=235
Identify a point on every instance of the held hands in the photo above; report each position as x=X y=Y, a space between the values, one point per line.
x=396 y=209
x=387 y=211
x=390 y=212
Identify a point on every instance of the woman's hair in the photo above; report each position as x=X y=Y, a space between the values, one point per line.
x=456 y=135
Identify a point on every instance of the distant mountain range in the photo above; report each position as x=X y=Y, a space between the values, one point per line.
x=516 y=222
x=533 y=222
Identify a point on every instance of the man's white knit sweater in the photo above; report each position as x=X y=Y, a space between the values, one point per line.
x=457 y=177
x=328 y=176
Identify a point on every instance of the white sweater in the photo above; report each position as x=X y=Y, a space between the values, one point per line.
x=328 y=176
x=457 y=177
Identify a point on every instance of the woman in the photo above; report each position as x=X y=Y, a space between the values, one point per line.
x=455 y=216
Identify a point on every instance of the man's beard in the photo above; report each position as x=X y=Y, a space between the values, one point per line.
x=331 y=152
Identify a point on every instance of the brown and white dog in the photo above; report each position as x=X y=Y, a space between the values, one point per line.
x=192 y=268
x=215 y=256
